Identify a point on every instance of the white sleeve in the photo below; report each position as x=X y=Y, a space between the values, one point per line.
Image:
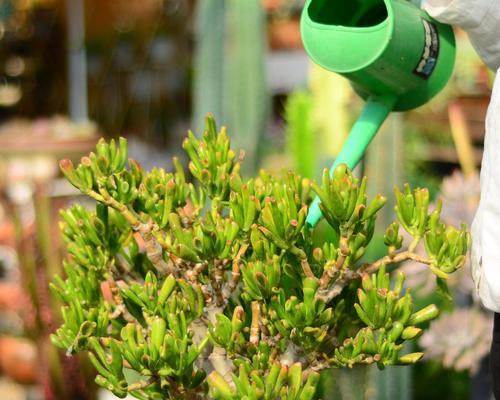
x=485 y=255
x=481 y=20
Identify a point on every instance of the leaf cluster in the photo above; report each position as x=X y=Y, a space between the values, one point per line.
x=208 y=284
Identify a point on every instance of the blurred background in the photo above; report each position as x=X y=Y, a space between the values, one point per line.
x=72 y=71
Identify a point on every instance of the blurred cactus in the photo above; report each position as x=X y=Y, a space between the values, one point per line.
x=219 y=277
x=208 y=59
x=230 y=77
x=246 y=99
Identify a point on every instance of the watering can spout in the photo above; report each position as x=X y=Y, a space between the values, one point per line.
x=374 y=114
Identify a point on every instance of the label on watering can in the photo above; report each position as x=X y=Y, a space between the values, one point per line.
x=428 y=61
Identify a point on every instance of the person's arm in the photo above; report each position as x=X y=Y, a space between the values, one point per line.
x=485 y=254
x=479 y=18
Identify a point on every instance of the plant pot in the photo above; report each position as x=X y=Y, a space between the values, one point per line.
x=284 y=33
x=18 y=360
x=11 y=297
x=7 y=234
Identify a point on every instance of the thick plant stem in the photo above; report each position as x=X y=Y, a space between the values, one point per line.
x=254 y=327
x=154 y=250
x=291 y=355
x=221 y=363
x=235 y=273
x=404 y=256
x=330 y=272
x=348 y=276
x=141 y=384
x=106 y=198
x=218 y=358
x=306 y=268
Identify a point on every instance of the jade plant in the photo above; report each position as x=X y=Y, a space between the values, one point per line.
x=215 y=287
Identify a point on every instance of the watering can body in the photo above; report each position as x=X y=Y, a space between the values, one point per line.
x=384 y=47
x=395 y=55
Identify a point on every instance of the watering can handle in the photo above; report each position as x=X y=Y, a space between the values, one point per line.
x=374 y=114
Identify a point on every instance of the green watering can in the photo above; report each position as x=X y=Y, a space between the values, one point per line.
x=395 y=55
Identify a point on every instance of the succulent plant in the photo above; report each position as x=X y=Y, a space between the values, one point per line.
x=214 y=288
x=460 y=198
x=461 y=338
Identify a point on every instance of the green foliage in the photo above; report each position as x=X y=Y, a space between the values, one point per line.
x=279 y=383
x=219 y=276
x=300 y=134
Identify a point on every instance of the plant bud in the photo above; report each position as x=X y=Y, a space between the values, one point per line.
x=411 y=332
x=425 y=314
x=411 y=358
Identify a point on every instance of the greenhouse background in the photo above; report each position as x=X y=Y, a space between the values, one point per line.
x=73 y=71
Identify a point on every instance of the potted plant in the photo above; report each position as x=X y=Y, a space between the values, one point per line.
x=18 y=359
x=284 y=24
x=216 y=288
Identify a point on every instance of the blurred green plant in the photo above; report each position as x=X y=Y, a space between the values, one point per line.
x=177 y=280
x=230 y=71
x=300 y=134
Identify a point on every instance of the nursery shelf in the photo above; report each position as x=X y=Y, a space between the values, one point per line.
x=446 y=154
x=287 y=70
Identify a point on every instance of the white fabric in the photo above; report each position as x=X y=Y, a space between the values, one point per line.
x=481 y=19
x=485 y=255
